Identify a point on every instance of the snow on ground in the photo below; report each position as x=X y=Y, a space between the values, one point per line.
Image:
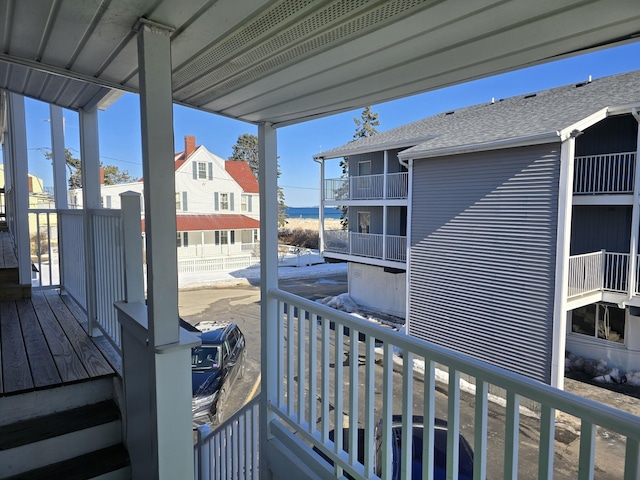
x=287 y=269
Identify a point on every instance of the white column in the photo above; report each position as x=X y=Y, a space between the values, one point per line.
x=635 y=218
x=321 y=212
x=565 y=193
x=20 y=185
x=171 y=432
x=59 y=157
x=268 y=180
x=90 y=161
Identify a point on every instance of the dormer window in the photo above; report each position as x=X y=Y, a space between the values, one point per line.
x=202 y=170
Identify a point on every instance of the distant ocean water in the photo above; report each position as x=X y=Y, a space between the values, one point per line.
x=312 y=212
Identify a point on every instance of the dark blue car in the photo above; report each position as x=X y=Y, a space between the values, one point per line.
x=215 y=366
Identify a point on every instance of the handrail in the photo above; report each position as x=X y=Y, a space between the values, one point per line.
x=309 y=401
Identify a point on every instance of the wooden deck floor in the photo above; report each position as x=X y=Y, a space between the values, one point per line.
x=43 y=345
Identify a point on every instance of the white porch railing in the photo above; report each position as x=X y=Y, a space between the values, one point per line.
x=327 y=374
x=231 y=450
x=44 y=248
x=398 y=185
x=606 y=173
x=73 y=269
x=109 y=269
x=598 y=271
x=367 y=187
x=366 y=245
x=108 y=265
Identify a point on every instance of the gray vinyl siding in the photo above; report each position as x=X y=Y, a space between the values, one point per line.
x=483 y=244
x=612 y=135
x=376 y=159
x=600 y=227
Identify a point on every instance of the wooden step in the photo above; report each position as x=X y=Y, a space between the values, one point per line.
x=38 y=403
x=111 y=462
x=14 y=292
x=50 y=439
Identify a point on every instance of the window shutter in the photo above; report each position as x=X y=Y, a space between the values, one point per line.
x=216 y=202
x=217 y=235
x=184 y=201
x=210 y=170
x=233 y=237
x=231 y=201
x=195 y=170
x=249 y=203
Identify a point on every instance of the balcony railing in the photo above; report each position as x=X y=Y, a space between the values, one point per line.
x=384 y=247
x=231 y=450
x=604 y=174
x=332 y=370
x=367 y=187
x=598 y=271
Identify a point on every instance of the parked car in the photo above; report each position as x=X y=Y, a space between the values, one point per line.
x=215 y=366
x=465 y=456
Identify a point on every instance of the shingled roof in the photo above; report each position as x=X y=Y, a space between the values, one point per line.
x=538 y=114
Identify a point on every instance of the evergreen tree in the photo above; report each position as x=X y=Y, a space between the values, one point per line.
x=112 y=174
x=246 y=150
x=365 y=127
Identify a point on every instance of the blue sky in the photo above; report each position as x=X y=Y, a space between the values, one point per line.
x=120 y=125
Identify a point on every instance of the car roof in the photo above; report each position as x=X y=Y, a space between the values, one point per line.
x=214 y=332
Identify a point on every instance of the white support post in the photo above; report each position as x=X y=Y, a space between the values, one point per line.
x=20 y=186
x=132 y=247
x=268 y=180
x=170 y=352
x=90 y=160
x=59 y=158
x=385 y=212
x=565 y=193
x=321 y=210
x=635 y=219
x=407 y=309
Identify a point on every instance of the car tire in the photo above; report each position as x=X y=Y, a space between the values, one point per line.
x=222 y=399
x=242 y=366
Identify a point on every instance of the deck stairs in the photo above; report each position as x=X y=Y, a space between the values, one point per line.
x=59 y=395
x=70 y=432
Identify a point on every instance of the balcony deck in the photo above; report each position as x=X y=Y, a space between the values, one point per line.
x=43 y=345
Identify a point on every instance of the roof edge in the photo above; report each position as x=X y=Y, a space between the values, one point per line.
x=548 y=137
x=374 y=148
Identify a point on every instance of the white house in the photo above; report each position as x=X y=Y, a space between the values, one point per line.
x=217 y=203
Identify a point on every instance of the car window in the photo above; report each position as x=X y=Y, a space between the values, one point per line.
x=204 y=357
x=232 y=339
x=225 y=352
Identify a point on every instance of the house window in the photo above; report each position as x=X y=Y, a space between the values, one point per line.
x=364 y=170
x=178 y=204
x=364 y=222
x=182 y=239
x=108 y=201
x=243 y=203
x=202 y=170
x=255 y=235
x=224 y=201
x=600 y=320
x=224 y=237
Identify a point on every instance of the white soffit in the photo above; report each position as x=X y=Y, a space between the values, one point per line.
x=288 y=61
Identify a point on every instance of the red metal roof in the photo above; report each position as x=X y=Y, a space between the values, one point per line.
x=242 y=174
x=198 y=223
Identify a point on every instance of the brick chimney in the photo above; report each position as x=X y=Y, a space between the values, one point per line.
x=101 y=176
x=189 y=145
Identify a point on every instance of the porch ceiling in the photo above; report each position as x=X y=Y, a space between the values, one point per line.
x=286 y=61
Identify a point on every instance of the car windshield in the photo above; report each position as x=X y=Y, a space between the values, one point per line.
x=205 y=357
